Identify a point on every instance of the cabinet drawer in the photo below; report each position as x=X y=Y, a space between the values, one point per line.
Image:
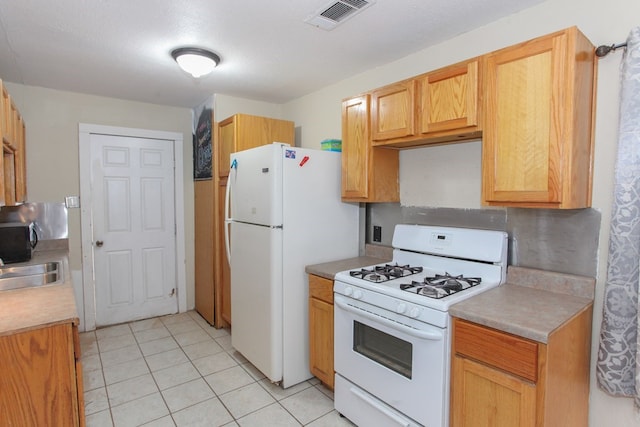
x=321 y=288
x=510 y=353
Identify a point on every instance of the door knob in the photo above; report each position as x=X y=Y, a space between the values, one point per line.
x=99 y=243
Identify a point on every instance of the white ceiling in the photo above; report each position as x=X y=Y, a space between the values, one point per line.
x=120 y=48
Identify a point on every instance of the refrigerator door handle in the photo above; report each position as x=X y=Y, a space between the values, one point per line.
x=227 y=219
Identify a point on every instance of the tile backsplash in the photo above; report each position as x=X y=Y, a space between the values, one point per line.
x=565 y=241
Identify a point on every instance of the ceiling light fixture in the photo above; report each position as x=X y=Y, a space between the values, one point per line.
x=195 y=61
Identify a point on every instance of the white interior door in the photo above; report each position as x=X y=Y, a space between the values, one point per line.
x=133 y=235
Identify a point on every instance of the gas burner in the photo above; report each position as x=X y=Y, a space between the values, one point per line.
x=382 y=273
x=441 y=285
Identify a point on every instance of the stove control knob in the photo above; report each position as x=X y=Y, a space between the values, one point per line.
x=414 y=312
x=357 y=294
x=348 y=291
x=401 y=308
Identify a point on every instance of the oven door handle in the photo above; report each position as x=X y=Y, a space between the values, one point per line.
x=427 y=335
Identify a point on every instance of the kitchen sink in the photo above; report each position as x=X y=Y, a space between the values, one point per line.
x=27 y=270
x=28 y=276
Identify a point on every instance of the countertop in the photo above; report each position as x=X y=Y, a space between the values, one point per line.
x=531 y=304
x=328 y=270
x=29 y=308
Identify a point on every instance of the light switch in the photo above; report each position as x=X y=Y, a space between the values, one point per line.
x=72 y=202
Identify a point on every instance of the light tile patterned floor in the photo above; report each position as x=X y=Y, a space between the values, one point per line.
x=179 y=371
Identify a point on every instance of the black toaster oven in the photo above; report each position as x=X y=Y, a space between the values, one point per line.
x=15 y=242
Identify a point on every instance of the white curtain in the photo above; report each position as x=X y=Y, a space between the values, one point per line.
x=618 y=366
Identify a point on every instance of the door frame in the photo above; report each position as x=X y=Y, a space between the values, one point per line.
x=88 y=283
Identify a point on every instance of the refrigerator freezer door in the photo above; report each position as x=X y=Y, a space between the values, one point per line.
x=256 y=185
x=256 y=296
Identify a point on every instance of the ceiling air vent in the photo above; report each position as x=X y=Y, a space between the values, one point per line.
x=337 y=12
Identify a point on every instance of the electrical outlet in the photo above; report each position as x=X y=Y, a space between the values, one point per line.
x=377 y=233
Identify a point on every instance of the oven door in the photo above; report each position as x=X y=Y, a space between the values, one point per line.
x=398 y=360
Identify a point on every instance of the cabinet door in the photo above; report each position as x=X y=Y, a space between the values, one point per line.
x=38 y=385
x=485 y=397
x=449 y=98
x=7 y=117
x=321 y=328
x=3 y=131
x=355 y=148
x=393 y=111
x=525 y=94
x=9 y=171
x=321 y=340
x=79 y=378
x=20 y=162
x=204 y=193
x=226 y=145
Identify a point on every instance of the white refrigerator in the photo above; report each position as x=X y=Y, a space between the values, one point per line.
x=283 y=212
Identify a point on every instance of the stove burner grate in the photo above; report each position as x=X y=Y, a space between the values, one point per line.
x=382 y=273
x=441 y=285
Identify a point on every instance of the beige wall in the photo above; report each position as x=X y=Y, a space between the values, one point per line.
x=318 y=115
x=52 y=119
x=226 y=106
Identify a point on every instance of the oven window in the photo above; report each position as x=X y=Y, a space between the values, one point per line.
x=385 y=349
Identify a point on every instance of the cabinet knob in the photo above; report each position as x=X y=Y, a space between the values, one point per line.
x=99 y=243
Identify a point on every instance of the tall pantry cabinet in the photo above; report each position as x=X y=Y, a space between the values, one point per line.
x=213 y=280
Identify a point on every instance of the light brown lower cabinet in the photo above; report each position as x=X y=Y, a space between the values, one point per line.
x=503 y=380
x=321 y=329
x=41 y=378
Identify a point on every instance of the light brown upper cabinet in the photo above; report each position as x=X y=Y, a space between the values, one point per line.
x=393 y=111
x=7 y=116
x=432 y=108
x=449 y=99
x=369 y=174
x=537 y=142
x=532 y=104
x=13 y=187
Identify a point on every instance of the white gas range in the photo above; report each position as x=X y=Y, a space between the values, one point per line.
x=391 y=323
